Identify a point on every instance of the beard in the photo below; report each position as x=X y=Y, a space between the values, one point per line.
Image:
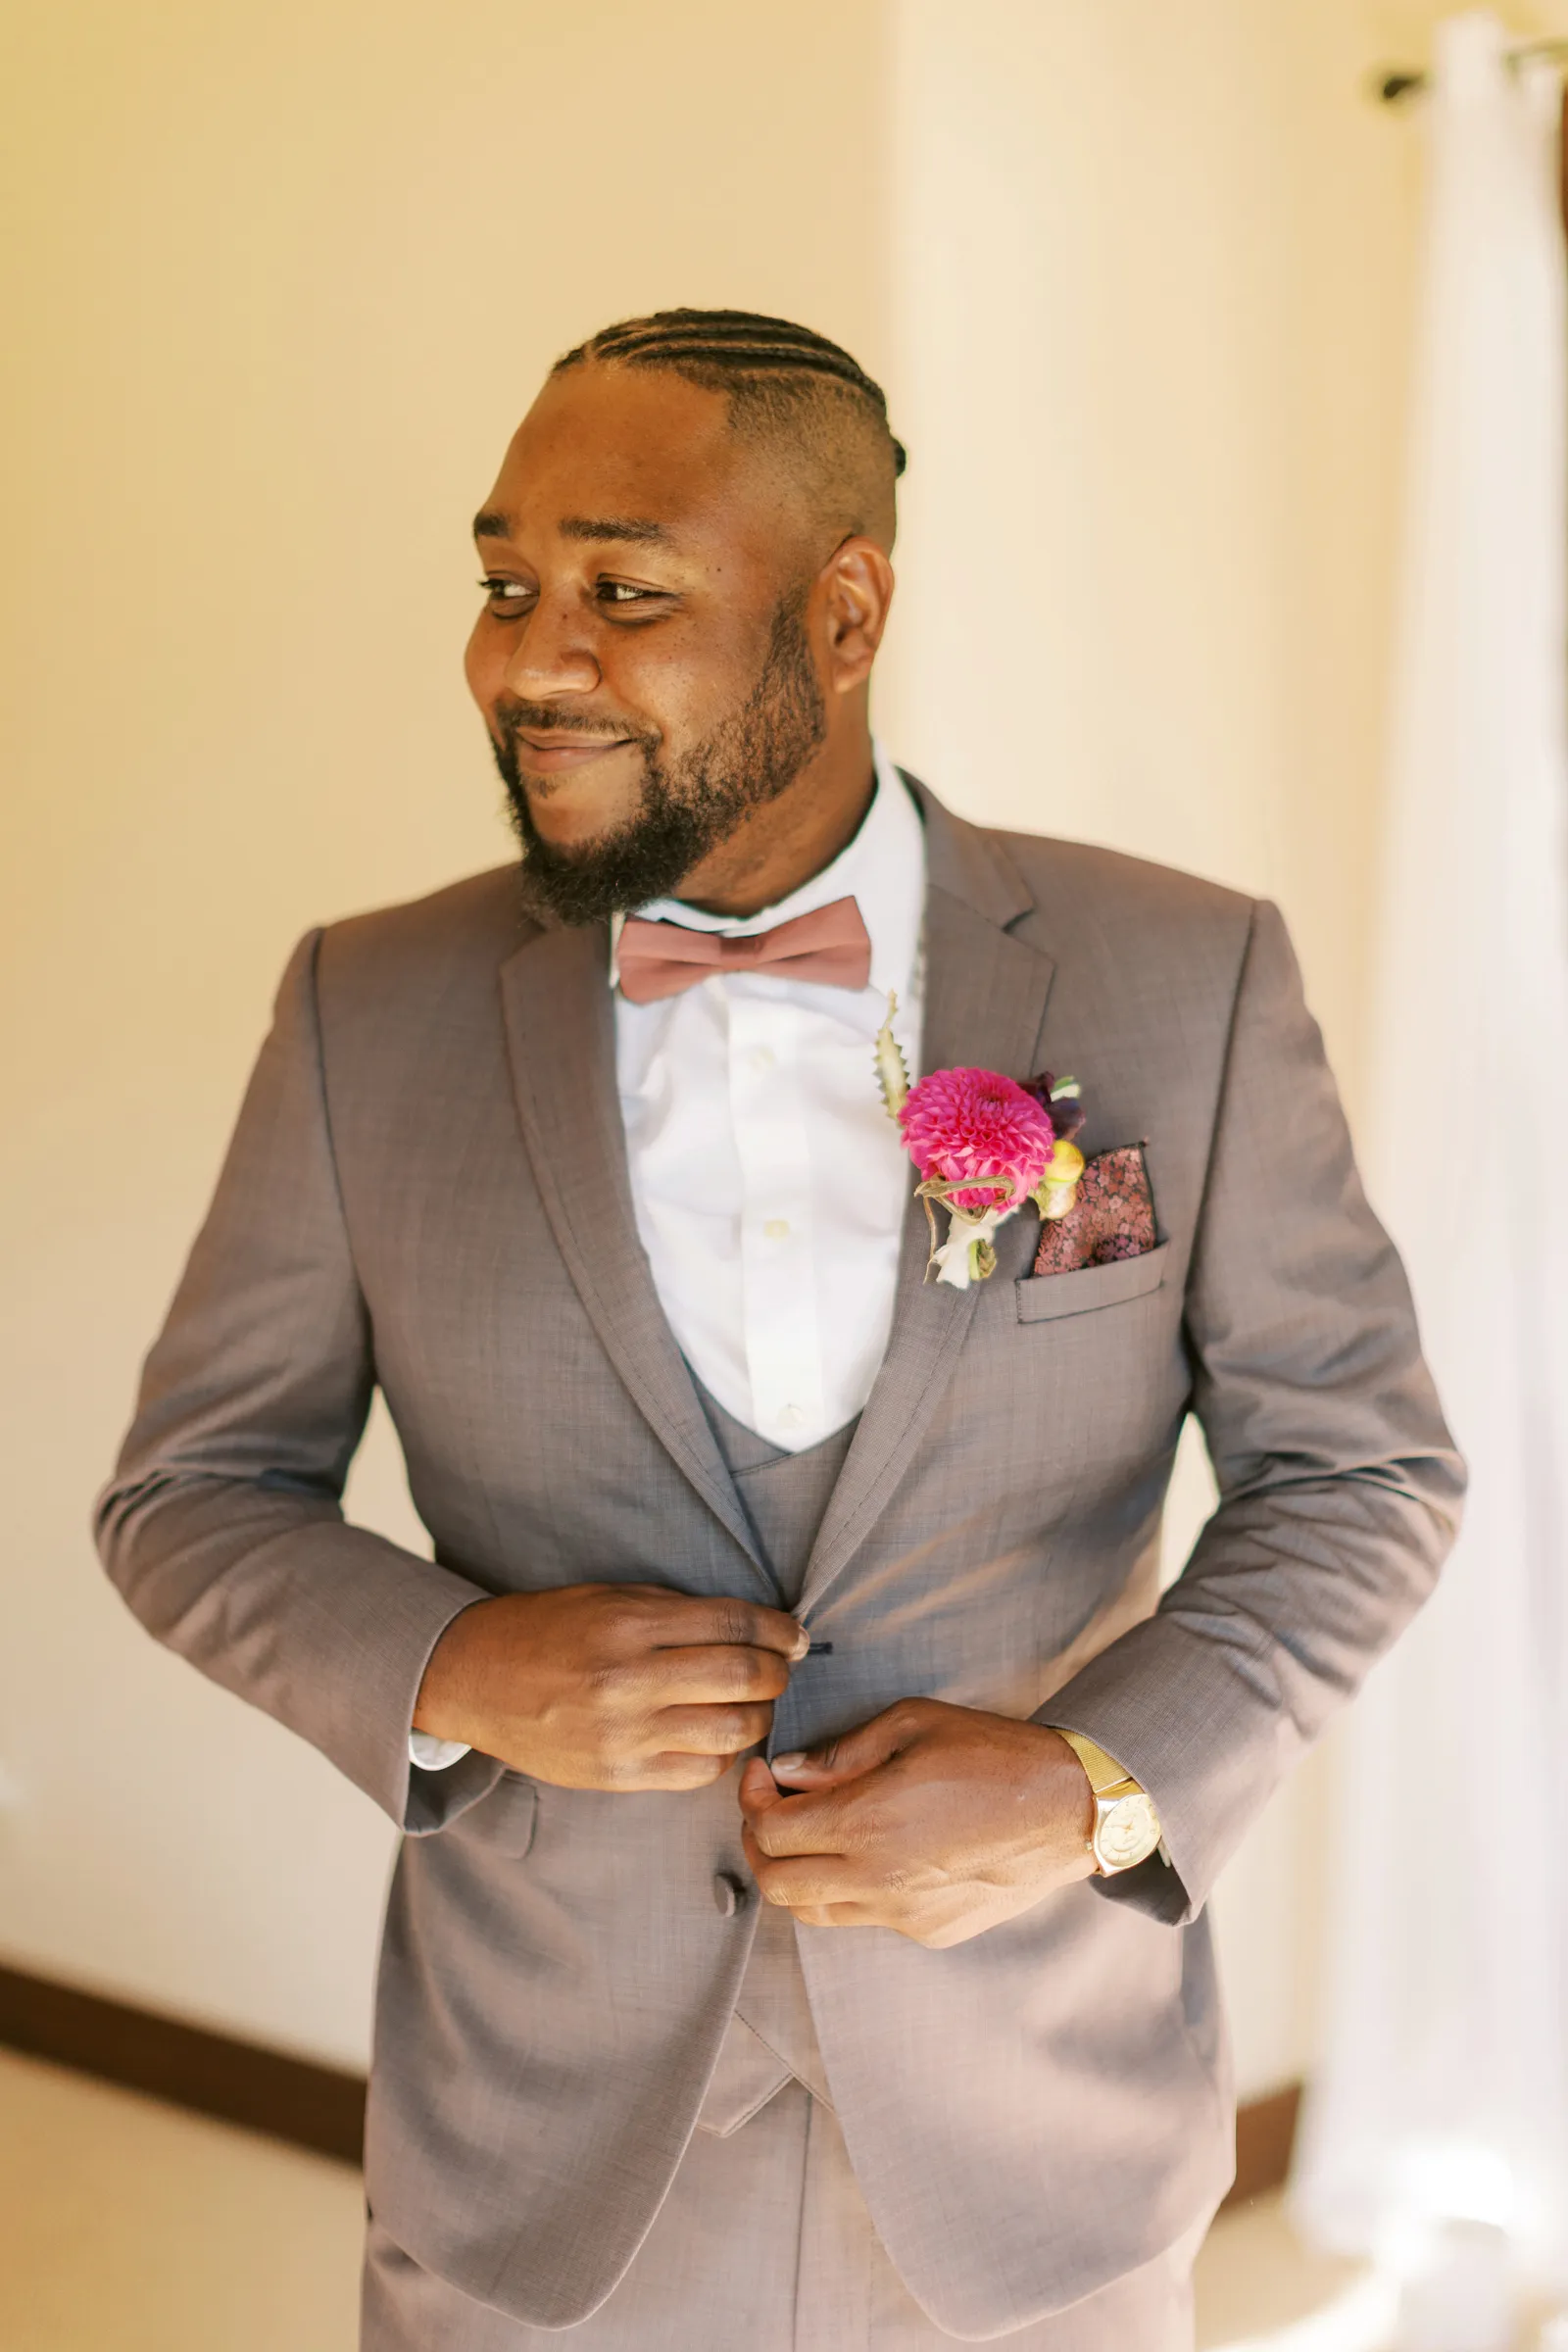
x=689 y=804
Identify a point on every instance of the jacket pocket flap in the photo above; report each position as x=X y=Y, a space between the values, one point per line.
x=1041 y=1296
x=505 y=1818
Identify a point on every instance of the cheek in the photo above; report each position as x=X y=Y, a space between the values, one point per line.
x=687 y=678
x=483 y=664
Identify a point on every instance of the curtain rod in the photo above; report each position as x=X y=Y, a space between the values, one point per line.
x=1392 y=84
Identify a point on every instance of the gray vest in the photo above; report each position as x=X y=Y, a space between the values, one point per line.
x=770 y=2039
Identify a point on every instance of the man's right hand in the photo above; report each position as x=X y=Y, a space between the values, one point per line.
x=609 y=1686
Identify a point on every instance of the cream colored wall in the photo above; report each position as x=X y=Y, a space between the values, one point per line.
x=289 y=275
x=1151 y=271
x=1136 y=278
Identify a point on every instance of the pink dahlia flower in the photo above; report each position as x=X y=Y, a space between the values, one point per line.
x=960 y=1124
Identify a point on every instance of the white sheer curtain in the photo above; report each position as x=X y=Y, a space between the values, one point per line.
x=1445 y=2088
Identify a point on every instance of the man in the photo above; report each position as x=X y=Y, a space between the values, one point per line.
x=765 y=1568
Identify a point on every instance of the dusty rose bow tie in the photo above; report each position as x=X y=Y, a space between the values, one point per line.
x=830 y=946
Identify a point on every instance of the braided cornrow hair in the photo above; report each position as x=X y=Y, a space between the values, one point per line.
x=742 y=353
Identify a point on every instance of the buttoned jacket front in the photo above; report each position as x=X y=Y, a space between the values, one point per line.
x=428 y=1190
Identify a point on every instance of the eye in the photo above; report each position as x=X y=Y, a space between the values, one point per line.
x=626 y=596
x=506 y=595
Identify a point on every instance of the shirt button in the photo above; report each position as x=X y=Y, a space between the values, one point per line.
x=777 y=1229
x=730 y=1893
x=760 y=1059
x=791 y=1417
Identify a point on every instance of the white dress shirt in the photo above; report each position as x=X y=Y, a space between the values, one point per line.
x=769 y=1184
x=767 y=1181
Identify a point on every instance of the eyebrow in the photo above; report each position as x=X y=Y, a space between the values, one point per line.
x=614 y=526
x=638 y=529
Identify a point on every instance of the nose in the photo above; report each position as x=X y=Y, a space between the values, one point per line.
x=550 y=658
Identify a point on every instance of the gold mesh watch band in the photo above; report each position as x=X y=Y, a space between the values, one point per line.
x=1104 y=1773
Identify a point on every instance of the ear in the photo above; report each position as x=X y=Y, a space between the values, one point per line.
x=855 y=587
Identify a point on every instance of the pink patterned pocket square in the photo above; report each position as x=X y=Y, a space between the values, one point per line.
x=1113 y=1216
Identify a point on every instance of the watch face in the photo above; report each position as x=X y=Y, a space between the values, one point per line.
x=1128 y=1833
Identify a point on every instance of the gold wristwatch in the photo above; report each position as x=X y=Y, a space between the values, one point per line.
x=1126 y=1827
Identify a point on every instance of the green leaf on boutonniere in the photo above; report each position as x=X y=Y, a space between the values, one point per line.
x=892 y=1070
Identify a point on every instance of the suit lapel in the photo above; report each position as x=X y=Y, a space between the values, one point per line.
x=561 y=1039
x=985 y=1005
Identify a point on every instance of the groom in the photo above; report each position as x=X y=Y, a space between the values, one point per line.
x=799 y=1941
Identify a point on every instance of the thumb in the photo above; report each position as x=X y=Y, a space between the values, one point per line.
x=847 y=1757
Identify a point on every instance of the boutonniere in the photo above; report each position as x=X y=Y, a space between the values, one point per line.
x=982 y=1145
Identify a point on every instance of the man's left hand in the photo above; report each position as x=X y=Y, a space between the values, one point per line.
x=936 y=1821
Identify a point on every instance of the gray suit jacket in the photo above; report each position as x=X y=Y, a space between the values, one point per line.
x=428 y=1190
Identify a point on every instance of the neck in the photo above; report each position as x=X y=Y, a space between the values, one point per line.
x=781 y=845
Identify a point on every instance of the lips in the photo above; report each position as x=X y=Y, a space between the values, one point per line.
x=553 y=755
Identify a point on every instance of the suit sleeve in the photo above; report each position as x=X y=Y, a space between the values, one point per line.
x=223 y=1526
x=1339 y=1484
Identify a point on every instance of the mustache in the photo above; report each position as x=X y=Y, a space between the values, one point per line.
x=514 y=715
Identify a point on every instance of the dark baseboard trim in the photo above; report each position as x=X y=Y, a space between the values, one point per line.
x=316 y=2107
x=322 y=2107
x=1265 y=2135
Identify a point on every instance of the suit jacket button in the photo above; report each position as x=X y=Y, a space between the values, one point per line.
x=730 y=1893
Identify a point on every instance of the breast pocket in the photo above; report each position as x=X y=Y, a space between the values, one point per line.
x=1043 y=1296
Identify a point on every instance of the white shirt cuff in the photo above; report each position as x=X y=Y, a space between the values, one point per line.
x=435 y=1755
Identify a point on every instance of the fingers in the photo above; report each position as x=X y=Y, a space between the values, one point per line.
x=709 y=1731
x=737 y=1624
x=855 y=1753
x=714 y=1675
x=672 y=1771
x=586 y=1686
x=804 y=1883
x=758 y=1790
x=834 y=1890
x=832 y=1821
x=837 y=1915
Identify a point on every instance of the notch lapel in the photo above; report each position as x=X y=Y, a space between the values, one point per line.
x=559 y=1024
x=985 y=1006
